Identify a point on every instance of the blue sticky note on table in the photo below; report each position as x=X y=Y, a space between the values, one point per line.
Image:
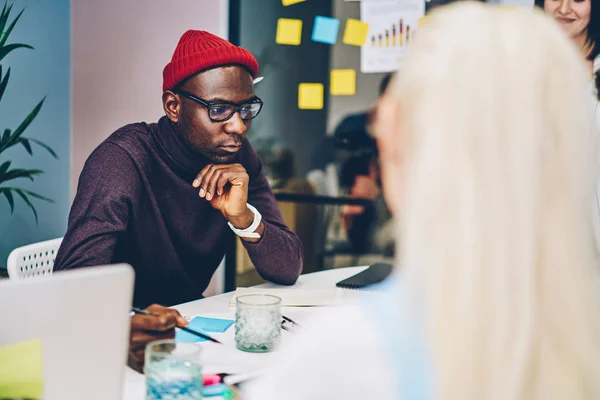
x=325 y=30
x=204 y=325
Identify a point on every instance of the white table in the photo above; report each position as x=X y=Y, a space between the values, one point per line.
x=226 y=358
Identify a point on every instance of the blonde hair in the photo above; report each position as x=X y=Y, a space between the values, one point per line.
x=496 y=236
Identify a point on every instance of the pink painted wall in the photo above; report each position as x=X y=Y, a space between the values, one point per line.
x=119 y=49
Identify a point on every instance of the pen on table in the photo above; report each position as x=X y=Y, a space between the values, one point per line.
x=290 y=320
x=193 y=332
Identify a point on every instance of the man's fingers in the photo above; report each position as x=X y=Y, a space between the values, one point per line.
x=211 y=186
x=158 y=323
x=181 y=322
x=198 y=179
x=206 y=176
x=162 y=310
x=162 y=319
x=221 y=182
x=213 y=178
x=203 y=178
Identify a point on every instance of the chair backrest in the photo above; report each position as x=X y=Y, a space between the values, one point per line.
x=33 y=260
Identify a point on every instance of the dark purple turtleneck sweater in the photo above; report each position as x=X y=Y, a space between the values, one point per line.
x=135 y=204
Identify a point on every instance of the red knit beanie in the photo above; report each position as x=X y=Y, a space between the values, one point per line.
x=200 y=50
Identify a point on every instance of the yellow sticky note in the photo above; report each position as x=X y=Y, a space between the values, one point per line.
x=356 y=32
x=289 y=31
x=291 y=2
x=22 y=370
x=343 y=82
x=310 y=96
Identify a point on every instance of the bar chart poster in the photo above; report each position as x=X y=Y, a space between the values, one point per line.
x=392 y=25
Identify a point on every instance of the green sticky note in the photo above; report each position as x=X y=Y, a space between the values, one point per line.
x=22 y=370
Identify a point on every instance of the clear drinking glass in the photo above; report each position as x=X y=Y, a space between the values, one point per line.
x=257 y=322
x=173 y=371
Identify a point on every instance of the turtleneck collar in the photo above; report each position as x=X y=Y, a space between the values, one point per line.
x=178 y=152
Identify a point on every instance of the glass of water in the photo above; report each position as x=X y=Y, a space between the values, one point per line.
x=173 y=371
x=257 y=322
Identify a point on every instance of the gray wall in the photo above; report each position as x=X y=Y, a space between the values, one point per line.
x=284 y=67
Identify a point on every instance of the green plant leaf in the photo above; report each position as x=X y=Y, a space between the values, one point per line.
x=45 y=146
x=20 y=173
x=27 y=146
x=14 y=137
x=10 y=28
x=4 y=82
x=4 y=16
x=10 y=199
x=24 y=195
x=4 y=139
x=38 y=196
x=26 y=200
x=4 y=168
x=5 y=50
x=29 y=119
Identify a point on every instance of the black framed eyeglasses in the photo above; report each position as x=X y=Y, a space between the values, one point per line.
x=221 y=111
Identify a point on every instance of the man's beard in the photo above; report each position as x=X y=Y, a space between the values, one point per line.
x=205 y=152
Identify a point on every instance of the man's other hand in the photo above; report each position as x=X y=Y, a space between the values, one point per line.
x=148 y=328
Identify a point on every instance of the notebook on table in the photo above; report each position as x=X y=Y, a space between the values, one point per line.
x=376 y=273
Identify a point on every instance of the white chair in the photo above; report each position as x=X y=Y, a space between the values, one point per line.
x=33 y=260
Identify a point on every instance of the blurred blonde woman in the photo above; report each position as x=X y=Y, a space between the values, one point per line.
x=486 y=158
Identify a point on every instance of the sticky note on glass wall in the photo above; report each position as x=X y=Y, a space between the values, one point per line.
x=325 y=30
x=310 y=96
x=22 y=370
x=289 y=31
x=356 y=32
x=291 y=2
x=343 y=82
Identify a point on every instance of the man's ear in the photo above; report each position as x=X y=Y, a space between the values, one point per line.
x=171 y=106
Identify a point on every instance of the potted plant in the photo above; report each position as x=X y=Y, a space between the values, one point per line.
x=10 y=138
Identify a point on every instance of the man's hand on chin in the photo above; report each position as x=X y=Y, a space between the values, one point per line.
x=226 y=187
x=148 y=328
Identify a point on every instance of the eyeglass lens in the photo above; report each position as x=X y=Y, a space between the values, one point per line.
x=220 y=112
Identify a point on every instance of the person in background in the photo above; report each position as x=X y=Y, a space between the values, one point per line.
x=497 y=296
x=303 y=216
x=168 y=197
x=580 y=20
x=361 y=177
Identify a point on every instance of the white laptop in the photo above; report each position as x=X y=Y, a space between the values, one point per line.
x=82 y=319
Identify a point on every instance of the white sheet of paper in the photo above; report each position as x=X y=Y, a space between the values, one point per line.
x=294 y=297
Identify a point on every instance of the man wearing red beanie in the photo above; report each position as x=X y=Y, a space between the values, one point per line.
x=167 y=197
